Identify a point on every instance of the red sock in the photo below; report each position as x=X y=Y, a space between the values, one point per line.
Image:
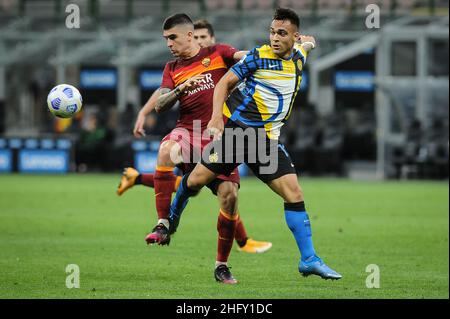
x=164 y=181
x=226 y=226
x=240 y=235
x=147 y=180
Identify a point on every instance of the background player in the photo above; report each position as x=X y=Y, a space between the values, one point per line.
x=268 y=71
x=204 y=35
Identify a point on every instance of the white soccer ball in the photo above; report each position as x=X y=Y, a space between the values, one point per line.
x=64 y=101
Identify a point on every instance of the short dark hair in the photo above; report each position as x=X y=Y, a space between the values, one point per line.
x=204 y=24
x=287 y=14
x=177 y=19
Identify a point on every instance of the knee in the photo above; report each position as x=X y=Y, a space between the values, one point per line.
x=166 y=152
x=228 y=196
x=195 y=181
x=294 y=194
x=230 y=199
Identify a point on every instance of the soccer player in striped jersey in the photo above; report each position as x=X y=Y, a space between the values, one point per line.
x=272 y=75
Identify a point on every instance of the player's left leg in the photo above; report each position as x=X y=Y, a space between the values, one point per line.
x=190 y=185
x=297 y=219
x=226 y=188
x=131 y=177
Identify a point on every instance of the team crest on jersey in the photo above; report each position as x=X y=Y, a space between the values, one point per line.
x=206 y=62
x=300 y=65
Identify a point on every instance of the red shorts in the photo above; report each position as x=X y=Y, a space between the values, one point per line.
x=192 y=146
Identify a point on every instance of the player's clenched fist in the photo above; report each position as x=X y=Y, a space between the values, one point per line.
x=215 y=128
x=308 y=40
x=192 y=83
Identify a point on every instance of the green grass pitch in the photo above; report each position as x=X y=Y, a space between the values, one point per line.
x=48 y=222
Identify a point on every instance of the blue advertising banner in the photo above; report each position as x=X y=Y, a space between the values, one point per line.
x=145 y=162
x=15 y=143
x=63 y=144
x=47 y=144
x=43 y=161
x=98 y=79
x=150 y=80
x=154 y=145
x=3 y=143
x=31 y=143
x=354 y=81
x=139 y=146
x=5 y=161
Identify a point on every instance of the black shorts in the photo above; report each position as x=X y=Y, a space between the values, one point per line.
x=268 y=159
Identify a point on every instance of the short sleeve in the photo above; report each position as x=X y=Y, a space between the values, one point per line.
x=247 y=66
x=227 y=53
x=167 y=81
x=301 y=51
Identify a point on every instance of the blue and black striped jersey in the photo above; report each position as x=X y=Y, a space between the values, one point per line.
x=271 y=84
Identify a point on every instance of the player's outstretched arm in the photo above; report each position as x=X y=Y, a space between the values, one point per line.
x=221 y=92
x=308 y=42
x=138 y=130
x=168 y=97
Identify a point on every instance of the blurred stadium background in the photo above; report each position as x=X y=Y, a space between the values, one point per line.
x=374 y=102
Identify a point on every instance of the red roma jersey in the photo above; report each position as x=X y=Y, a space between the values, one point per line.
x=196 y=104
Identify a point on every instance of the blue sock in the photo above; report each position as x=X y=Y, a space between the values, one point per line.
x=181 y=198
x=298 y=221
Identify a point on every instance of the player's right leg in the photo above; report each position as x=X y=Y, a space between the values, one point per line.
x=227 y=194
x=298 y=222
x=226 y=188
x=164 y=180
x=279 y=173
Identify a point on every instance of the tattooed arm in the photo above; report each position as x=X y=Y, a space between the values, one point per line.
x=168 y=97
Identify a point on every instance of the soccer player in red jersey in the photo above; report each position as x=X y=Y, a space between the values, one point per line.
x=190 y=79
x=204 y=35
